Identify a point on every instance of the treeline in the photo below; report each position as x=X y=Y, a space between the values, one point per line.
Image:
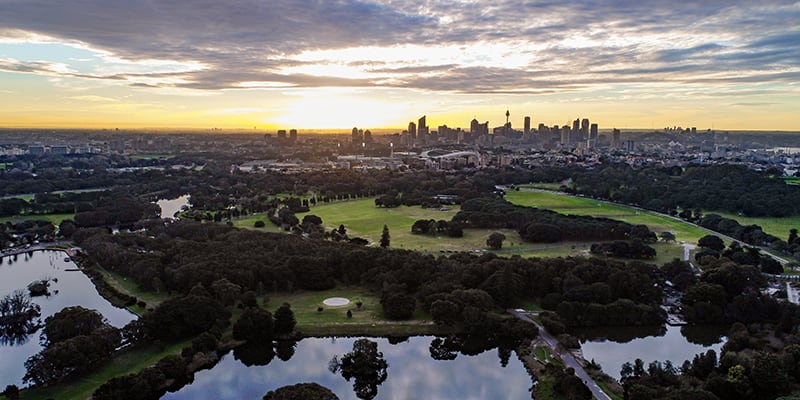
x=182 y=256
x=732 y=188
x=545 y=226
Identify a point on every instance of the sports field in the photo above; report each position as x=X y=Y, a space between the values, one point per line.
x=778 y=227
x=566 y=204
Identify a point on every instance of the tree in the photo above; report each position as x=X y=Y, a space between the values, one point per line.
x=11 y=392
x=385 y=237
x=495 y=240
x=398 y=306
x=712 y=242
x=71 y=322
x=284 y=320
x=254 y=324
x=667 y=236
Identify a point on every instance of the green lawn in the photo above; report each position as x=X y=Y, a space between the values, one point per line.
x=126 y=362
x=54 y=218
x=130 y=288
x=792 y=180
x=583 y=206
x=774 y=226
x=368 y=320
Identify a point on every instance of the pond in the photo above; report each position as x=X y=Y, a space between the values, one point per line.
x=412 y=373
x=68 y=287
x=612 y=347
x=171 y=206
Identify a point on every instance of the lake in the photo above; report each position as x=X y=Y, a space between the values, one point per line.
x=73 y=288
x=412 y=374
x=171 y=206
x=612 y=347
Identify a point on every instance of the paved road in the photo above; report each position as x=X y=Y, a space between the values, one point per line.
x=791 y=294
x=566 y=356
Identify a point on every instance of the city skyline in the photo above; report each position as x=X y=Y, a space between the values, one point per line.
x=335 y=65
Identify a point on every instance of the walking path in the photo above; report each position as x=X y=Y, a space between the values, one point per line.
x=569 y=359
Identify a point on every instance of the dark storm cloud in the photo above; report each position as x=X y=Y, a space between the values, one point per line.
x=574 y=43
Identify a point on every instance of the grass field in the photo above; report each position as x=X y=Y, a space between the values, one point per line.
x=363 y=219
x=54 y=218
x=792 y=180
x=583 y=206
x=126 y=362
x=130 y=288
x=778 y=227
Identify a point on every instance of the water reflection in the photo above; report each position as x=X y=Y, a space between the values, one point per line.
x=69 y=287
x=413 y=374
x=669 y=345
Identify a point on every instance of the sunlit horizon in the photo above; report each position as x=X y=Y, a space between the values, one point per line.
x=644 y=65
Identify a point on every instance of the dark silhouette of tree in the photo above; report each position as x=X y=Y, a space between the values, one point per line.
x=712 y=242
x=301 y=391
x=284 y=320
x=366 y=365
x=385 y=237
x=495 y=240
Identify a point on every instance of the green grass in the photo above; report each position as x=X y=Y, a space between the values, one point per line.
x=248 y=221
x=792 y=180
x=126 y=362
x=54 y=218
x=583 y=206
x=606 y=386
x=368 y=320
x=774 y=226
x=130 y=287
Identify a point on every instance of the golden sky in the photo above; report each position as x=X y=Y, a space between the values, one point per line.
x=338 y=64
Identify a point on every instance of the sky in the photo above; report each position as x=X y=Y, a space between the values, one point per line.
x=270 y=64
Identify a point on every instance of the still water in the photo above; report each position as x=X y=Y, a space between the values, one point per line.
x=72 y=288
x=171 y=206
x=412 y=374
x=612 y=347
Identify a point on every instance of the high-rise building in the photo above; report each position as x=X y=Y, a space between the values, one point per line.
x=565 y=135
x=412 y=130
x=422 y=127
x=527 y=128
x=293 y=136
x=282 y=135
x=585 y=127
x=576 y=125
x=615 y=135
x=367 y=136
x=592 y=135
x=357 y=136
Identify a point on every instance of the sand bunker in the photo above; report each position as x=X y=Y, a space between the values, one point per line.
x=336 y=302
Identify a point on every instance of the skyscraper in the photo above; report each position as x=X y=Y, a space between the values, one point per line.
x=576 y=125
x=412 y=130
x=585 y=127
x=356 y=136
x=527 y=129
x=422 y=129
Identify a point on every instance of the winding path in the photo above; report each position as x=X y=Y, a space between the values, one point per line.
x=568 y=358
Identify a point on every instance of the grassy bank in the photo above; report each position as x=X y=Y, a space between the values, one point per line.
x=778 y=227
x=566 y=204
x=125 y=362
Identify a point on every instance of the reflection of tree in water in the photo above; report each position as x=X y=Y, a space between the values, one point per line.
x=252 y=353
x=447 y=349
x=366 y=364
x=620 y=334
x=284 y=349
x=704 y=335
x=19 y=317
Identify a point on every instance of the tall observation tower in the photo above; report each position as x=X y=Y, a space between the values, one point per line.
x=508 y=114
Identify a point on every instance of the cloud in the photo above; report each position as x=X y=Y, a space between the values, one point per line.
x=503 y=46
